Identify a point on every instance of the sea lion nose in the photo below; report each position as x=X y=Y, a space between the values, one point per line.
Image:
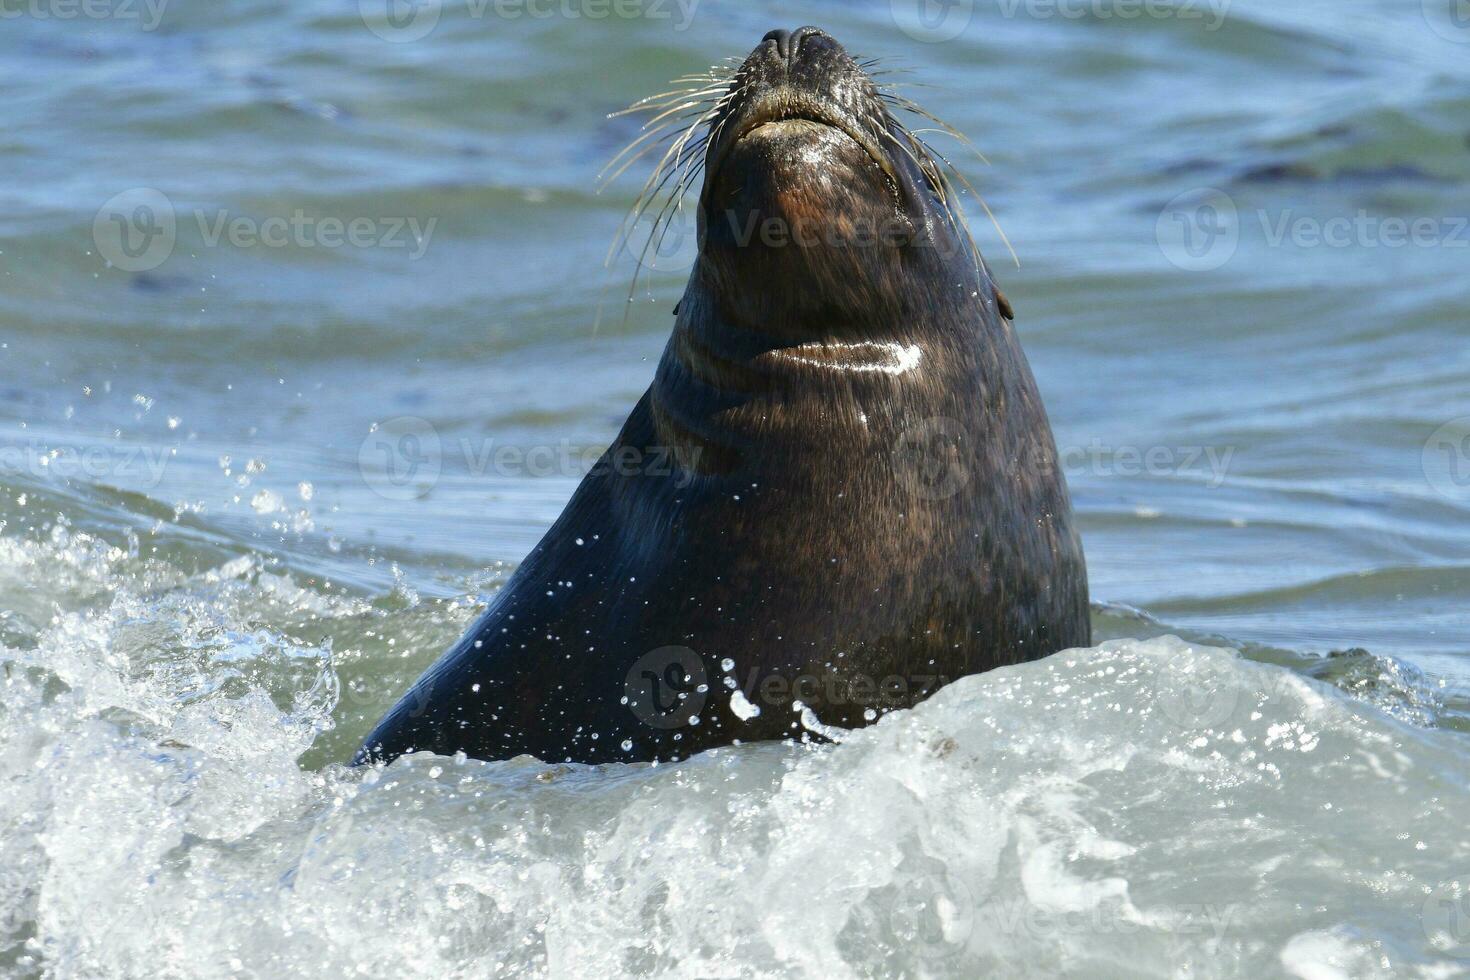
x=804 y=34
x=789 y=43
x=783 y=42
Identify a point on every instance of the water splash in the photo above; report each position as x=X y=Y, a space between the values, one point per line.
x=1141 y=808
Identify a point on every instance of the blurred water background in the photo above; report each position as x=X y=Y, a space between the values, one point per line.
x=306 y=335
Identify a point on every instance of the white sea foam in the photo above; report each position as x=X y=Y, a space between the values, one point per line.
x=1137 y=809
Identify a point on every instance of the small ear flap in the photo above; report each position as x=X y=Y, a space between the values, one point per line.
x=1004 y=305
x=676 y=307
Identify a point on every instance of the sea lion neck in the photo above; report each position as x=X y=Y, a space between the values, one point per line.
x=761 y=299
x=738 y=353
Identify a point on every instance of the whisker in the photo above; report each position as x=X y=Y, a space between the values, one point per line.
x=667 y=167
x=605 y=182
x=654 y=105
x=971 y=187
x=661 y=134
x=912 y=106
x=685 y=159
x=640 y=208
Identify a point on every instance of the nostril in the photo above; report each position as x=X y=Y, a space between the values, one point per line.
x=783 y=42
x=802 y=33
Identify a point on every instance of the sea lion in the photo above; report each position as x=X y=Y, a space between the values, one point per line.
x=840 y=492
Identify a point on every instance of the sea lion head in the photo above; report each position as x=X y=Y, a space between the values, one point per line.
x=817 y=202
x=813 y=187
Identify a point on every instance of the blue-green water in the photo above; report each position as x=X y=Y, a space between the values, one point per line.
x=1243 y=233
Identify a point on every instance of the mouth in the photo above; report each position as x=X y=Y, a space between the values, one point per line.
x=793 y=109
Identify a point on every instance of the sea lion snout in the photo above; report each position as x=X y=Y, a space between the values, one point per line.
x=812 y=185
x=788 y=44
x=803 y=74
x=802 y=178
x=791 y=45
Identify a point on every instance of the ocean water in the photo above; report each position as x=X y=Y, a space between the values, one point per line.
x=306 y=335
